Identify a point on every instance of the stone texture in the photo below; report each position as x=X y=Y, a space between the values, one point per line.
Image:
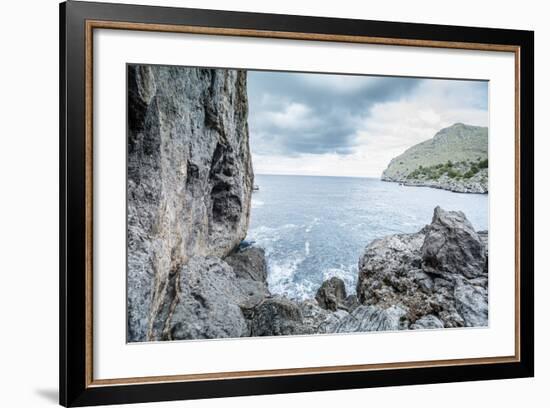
x=207 y=304
x=427 y=322
x=189 y=179
x=332 y=294
x=388 y=270
x=452 y=245
x=477 y=184
x=249 y=263
x=367 y=318
x=206 y=300
x=472 y=303
x=438 y=273
x=277 y=316
x=313 y=316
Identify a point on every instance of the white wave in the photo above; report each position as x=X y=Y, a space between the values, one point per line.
x=303 y=290
x=266 y=236
x=307 y=248
x=280 y=277
x=313 y=223
x=255 y=203
x=348 y=273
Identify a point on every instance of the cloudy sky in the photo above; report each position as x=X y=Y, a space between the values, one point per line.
x=343 y=125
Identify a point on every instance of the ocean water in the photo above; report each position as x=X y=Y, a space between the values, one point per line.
x=313 y=228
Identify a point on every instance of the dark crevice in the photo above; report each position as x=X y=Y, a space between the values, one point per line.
x=226 y=201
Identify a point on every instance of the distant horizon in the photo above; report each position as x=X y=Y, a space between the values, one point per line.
x=315 y=175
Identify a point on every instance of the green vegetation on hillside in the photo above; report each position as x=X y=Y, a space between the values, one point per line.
x=464 y=169
x=456 y=151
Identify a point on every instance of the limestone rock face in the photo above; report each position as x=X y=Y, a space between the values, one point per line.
x=249 y=263
x=189 y=179
x=207 y=304
x=438 y=276
x=206 y=300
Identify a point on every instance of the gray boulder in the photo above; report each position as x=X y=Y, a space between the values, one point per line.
x=189 y=180
x=438 y=273
x=209 y=302
x=452 y=245
x=249 y=263
x=390 y=274
x=332 y=294
x=277 y=316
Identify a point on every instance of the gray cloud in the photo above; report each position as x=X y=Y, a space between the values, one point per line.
x=296 y=113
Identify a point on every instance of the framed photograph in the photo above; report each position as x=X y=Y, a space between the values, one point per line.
x=257 y=204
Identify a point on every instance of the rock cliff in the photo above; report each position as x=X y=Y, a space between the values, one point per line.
x=455 y=159
x=189 y=183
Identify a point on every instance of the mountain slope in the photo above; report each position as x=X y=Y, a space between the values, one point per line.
x=455 y=159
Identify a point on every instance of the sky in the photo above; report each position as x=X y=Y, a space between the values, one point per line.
x=345 y=125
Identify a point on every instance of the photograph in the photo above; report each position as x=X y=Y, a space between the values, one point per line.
x=273 y=203
x=255 y=203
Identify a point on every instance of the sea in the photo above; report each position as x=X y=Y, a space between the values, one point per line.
x=313 y=228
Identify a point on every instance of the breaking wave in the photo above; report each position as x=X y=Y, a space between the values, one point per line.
x=313 y=228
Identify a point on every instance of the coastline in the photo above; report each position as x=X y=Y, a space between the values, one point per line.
x=442 y=184
x=446 y=183
x=189 y=278
x=422 y=285
x=417 y=288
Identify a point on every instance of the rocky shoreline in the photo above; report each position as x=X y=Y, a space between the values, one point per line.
x=435 y=278
x=454 y=159
x=190 y=181
x=477 y=184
